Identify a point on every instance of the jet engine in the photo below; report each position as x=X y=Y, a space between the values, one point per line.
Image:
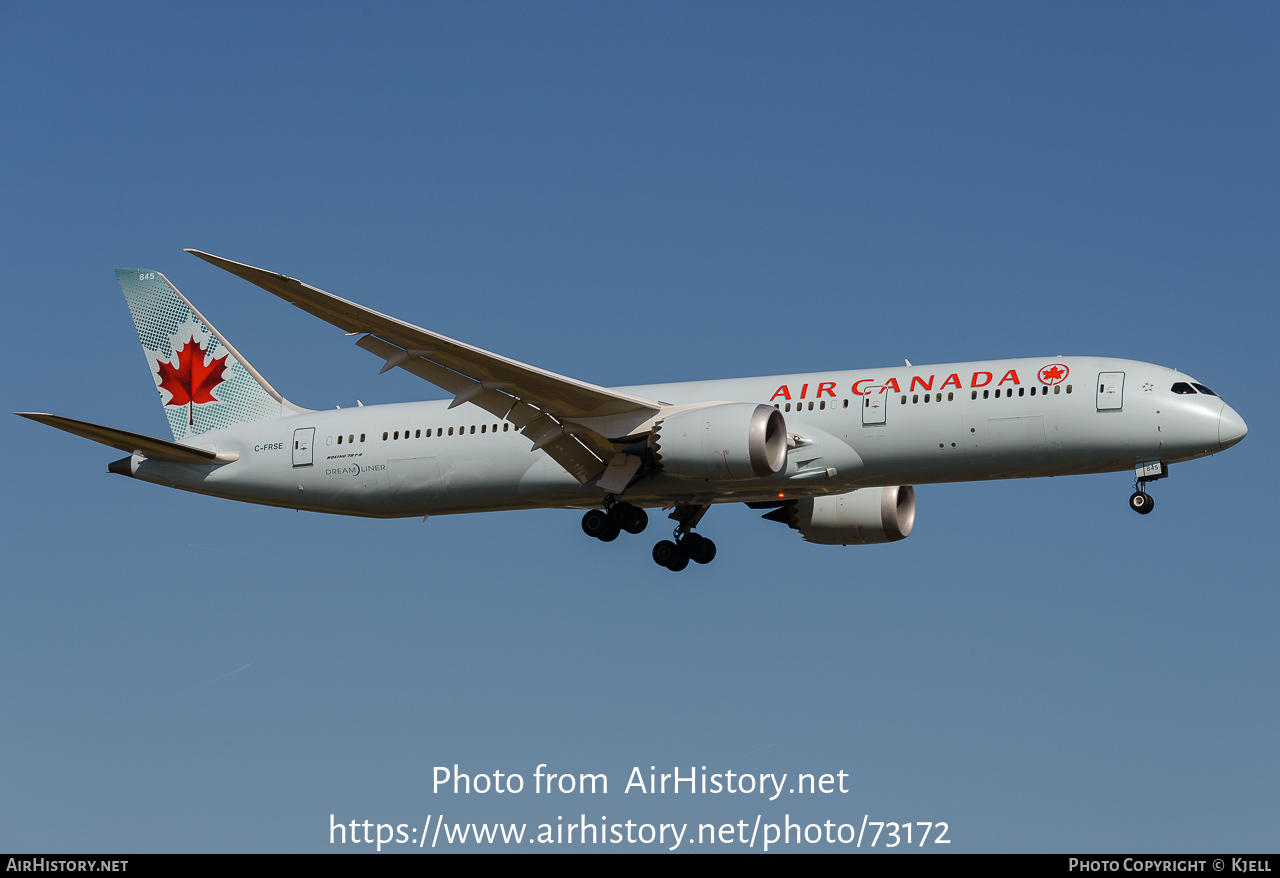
x=736 y=440
x=867 y=515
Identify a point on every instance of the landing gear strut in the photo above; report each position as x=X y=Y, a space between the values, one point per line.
x=687 y=546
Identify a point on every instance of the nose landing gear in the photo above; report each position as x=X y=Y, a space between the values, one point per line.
x=1140 y=501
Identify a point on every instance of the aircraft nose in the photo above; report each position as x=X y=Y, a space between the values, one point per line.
x=1231 y=427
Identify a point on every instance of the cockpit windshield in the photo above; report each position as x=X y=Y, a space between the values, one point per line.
x=1184 y=387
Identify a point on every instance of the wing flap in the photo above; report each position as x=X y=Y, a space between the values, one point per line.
x=577 y=460
x=133 y=443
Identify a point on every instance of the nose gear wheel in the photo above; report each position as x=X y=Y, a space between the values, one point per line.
x=1141 y=502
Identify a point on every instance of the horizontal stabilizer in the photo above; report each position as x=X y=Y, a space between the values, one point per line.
x=134 y=443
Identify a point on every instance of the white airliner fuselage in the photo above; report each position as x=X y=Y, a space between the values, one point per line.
x=422 y=458
x=833 y=455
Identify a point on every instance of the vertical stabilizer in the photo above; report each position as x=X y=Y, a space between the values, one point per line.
x=204 y=383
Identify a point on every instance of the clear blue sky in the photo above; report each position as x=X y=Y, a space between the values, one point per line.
x=631 y=194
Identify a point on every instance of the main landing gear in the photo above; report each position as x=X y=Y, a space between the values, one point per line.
x=676 y=556
x=605 y=525
x=673 y=554
x=687 y=545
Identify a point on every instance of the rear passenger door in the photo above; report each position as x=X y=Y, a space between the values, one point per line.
x=303 y=439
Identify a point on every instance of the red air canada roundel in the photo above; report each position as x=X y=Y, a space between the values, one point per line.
x=1054 y=374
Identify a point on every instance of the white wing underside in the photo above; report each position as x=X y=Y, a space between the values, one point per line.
x=571 y=420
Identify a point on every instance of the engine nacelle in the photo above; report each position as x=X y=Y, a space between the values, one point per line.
x=867 y=515
x=736 y=440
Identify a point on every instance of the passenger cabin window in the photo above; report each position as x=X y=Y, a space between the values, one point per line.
x=1203 y=389
x=339 y=440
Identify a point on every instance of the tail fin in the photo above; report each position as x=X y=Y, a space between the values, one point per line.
x=203 y=381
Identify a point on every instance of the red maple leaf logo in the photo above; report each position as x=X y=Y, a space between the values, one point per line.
x=192 y=380
x=1053 y=374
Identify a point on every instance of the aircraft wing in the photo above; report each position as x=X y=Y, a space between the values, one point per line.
x=133 y=443
x=550 y=409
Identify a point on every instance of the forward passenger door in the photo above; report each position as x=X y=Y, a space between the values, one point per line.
x=874 y=407
x=1110 y=391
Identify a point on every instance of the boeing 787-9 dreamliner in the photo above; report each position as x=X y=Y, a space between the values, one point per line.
x=833 y=455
